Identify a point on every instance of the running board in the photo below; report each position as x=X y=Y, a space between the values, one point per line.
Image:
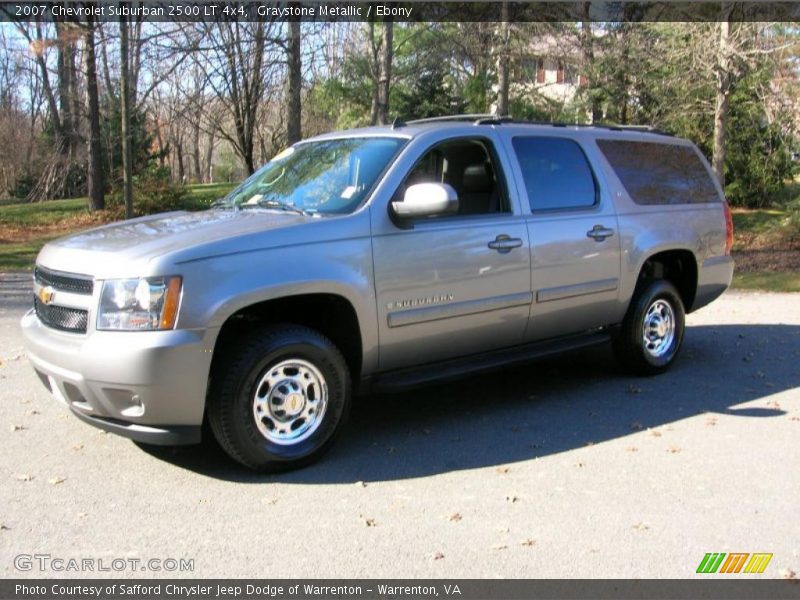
x=400 y=379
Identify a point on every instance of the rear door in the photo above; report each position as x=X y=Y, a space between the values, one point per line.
x=575 y=244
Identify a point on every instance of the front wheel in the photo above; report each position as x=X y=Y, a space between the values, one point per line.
x=652 y=331
x=279 y=399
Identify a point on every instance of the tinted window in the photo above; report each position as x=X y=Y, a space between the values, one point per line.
x=655 y=173
x=556 y=173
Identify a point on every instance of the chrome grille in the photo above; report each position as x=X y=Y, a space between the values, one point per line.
x=61 y=317
x=74 y=284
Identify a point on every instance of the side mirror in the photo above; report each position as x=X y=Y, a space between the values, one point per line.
x=427 y=200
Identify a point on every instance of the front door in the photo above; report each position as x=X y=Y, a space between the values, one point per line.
x=456 y=285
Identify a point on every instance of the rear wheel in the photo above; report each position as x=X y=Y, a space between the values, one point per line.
x=652 y=331
x=279 y=399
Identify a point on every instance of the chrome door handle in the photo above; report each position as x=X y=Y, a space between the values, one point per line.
x=599 y=233
x=503 y=243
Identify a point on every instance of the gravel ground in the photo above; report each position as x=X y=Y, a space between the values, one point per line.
x=564 y=468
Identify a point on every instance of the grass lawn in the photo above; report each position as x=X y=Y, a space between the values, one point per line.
x=25 y=228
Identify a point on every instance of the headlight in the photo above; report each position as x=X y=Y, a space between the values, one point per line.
x=139 y=304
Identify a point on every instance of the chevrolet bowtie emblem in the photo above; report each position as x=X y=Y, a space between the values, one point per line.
x=46 y=295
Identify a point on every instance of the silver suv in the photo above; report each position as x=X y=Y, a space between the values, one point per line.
x=380 y=257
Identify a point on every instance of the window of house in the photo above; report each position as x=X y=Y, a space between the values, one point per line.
x=540 y=71
x=556 y=172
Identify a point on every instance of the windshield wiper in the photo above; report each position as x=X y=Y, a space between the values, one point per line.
x=278 y=205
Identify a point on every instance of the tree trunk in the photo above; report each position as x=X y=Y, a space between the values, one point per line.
x=198 y=170
x=587 y=46
x=294 y=83
x=724 y=80
x=502 y=62
x=125 y=108
x=385 y=72
x=209 y=166
x=95 y=178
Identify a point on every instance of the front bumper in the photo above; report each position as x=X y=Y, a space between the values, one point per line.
x=147 y=386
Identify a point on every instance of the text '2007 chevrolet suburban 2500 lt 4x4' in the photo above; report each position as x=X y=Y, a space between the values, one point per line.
x=385 y=256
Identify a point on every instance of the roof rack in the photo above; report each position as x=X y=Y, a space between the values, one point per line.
x=494 y=119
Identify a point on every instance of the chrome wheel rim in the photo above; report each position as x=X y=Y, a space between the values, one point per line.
x=659 y=328
x=289 y=402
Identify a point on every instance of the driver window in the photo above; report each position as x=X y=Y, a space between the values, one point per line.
x=468 y=166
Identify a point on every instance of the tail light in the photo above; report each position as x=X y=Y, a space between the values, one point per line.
x=728 y=229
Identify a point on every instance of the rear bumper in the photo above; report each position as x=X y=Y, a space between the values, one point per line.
x=713 y=279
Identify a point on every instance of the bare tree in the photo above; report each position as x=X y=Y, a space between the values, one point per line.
x=294 y=84
x=125 y=117
x=96 y=182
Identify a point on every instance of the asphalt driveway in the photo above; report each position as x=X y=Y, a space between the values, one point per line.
x=563 y=468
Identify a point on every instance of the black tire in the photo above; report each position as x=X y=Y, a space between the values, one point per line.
x=630 y=347
x=243 y=372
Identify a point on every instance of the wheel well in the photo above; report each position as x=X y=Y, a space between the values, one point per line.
x=331 y=315
x=679 y=267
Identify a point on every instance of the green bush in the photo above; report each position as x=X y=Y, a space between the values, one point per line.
x=153 y=192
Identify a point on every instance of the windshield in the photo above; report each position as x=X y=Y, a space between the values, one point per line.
x=328 y=177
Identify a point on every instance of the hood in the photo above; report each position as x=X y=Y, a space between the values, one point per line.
x=138 y=241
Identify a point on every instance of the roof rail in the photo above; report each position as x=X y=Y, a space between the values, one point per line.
x=467 y=117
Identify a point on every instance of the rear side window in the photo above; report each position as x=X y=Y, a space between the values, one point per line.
x=655 y=173
x=556 y=173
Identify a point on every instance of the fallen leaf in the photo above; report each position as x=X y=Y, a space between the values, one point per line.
x=57 y=480
x=438 y=556
x=673 y=449
x=4 y=527
x=503 y=530
x=270 y=501
x=632 y=449
x=77 y=447
x=711 y=421
x=34 y=412
x=499 y=547
x=370 y=522
x=640 y=527
x=512 y=499
x=503 y=470
x=455 y=517
x=795 y=418
x=24 y=477
x=18 y=427
x=789 y=574
x=82 y=515
x=528 y=542
x=655 y=433
x=361 y=484
x=580 y=464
